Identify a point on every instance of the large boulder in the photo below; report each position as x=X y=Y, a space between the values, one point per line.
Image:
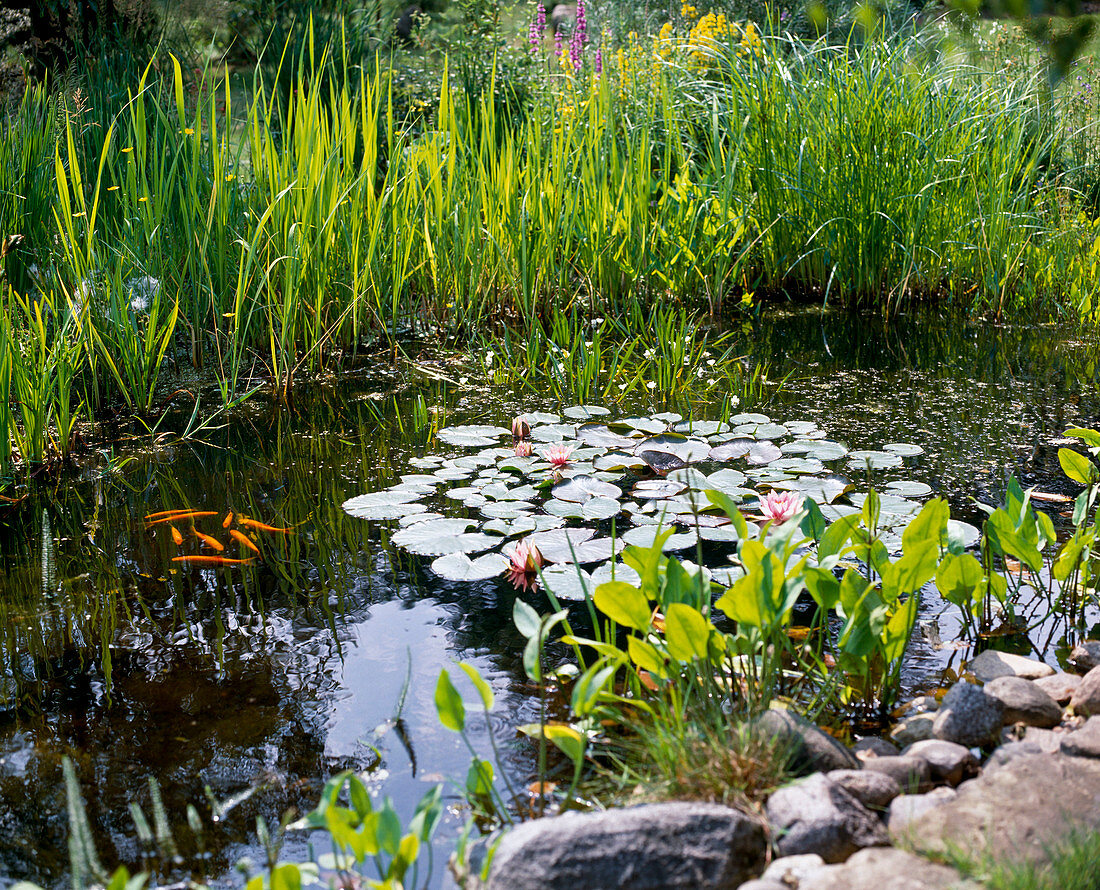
x=666 y=846
x=968 y=717
x=1084 y=742
x=991 y=664
x=885 y=868
x=1086 y=700
x=911 y=773
x=873 y=789
x=1014 y=814
x=1059 y=687
x=1024 y=702
x=811 y=750
x=816 y=815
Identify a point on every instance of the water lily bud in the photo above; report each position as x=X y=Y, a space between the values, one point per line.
x=521 y=429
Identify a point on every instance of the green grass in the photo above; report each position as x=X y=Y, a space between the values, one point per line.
x=1070 y=863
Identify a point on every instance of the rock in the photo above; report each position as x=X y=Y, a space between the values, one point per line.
x=913 y=729
x=948 y=762
x=886 y=868
x=991 y=664
x=811 y=749
x=1086 y=700
x=1059 y=687
x=904 y=809
x=563 y=17
x=1048 y=740
x=1024 y=702
x=911 y=773
x=922 y=704
x=816 y=815
x=760 y=884
x=790 y=871
x=1085 y=656
x=873 y=789
x=873 y=746
x=1083 y=742
x=1006 y=753
x=1013 y=814
x=650 y=847
x=968 y=717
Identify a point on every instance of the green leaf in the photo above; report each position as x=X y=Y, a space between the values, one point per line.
x=836 y=536
x=959 y=577
x=623 y=604
x=526 y=619
x=569 y=741
x=915 y=569
x=1089 y=437
x=645 y=655
x=448 y=704
x=872 y=507
x=930 y=524
x=814 y=522
x=1078 y=467
x=286 y=877
x=532 y=658
x=824 y=587
x=483 y=688
x=898 y=630
x=479 y=778
x=686 y=631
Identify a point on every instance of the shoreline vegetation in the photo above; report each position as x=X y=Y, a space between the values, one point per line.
x=166 y=224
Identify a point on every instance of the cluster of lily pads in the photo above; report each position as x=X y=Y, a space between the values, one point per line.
x=563 y=493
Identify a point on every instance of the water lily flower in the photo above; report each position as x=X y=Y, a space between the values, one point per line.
x=521 y=429
x=523 y=448
x=779 y=506
x=558 y=455
x=524 y=563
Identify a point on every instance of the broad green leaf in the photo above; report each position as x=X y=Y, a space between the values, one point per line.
x=479 y=778
x=1089 y=437
x=929 y=524
x=871 y=507
x=569 y=741
x=526 y=619
x=645 y=655
x=958 y=578
x=686 y=632
x=448 y=703
x=623 y=604
x=898 y=630
x=1078 y=467
x=483 y=688
x=915 y=569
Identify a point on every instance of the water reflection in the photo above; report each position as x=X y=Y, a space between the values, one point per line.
x=277 y=674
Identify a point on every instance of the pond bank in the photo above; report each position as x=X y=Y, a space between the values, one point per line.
x=874 y=817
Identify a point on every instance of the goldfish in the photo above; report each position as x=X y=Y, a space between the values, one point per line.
x=214 y=560
x=228 y=519
x=176 y=536
x=243 y=539
x=208 y=541
x=252 y=523
x=175 y=517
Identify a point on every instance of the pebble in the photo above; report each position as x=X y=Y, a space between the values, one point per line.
x=948 y=762
x=790 y=871
x=873 y=746
x=873 y=789
x=913 y=729
x=911 y=773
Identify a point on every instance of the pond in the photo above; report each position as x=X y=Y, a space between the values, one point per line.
x=260 y=680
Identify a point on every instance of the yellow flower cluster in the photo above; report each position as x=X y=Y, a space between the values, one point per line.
x=707 y=34
x=665 y=41
x=750 y=41
x=688 y=11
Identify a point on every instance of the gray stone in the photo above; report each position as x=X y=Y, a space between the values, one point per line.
x=873 y=746
x=886 y=868
x=948 y=762
x=1086 y=700
x=1083 y=742
x=873 y=789
x=811 y=749
x=968 y=717
x=1060 y=686
x=652 y=847
x=816 y=815
x=913 y=729
x=922 y=704
x=904 y=809
x=790 y=871
x=1015 y=813
x=759 y=884
x=1024 y=702
x=911 y=773
x=1085 y=656
x=1048 y=740
x=991 y=664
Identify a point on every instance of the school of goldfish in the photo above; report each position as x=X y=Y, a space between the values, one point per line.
x=243 y=536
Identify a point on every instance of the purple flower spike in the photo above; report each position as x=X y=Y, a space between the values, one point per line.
x=599 y=60
x=580 y=37
x=534 y=34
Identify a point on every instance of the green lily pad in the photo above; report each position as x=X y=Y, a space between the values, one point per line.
x=459 y=567
x=722 y=480
x=720 y=534
x=585 y=412
x=770 y=431
x=555 y=432
x=597 y=435
x=656 y=489
x=650 y=425
x=668 y=417
x=962 y=534
x=505 y=509
x=903 y=449
x=420 y=533
x=579 y=489
x=523 y=524
x=804 y=466
x=471 y=435
x=427 y=462
x=540 y=418
x=819 y=490
x=701 y=427
x=619 y=461
x=908 y=489
x=411 y=518
x=567 y=582
x=645 y=535
x=876 y=460
x=615 y=571
x=750 y=417
x=801 y=427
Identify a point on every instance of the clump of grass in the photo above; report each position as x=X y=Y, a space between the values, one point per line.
x=1069 y=863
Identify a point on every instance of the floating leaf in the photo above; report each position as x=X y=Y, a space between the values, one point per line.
x=420 y=479
x=471 y=435
x=540 y=418
x=804 y=466
x=418 y=517
x=903 y=449
x=439 y=545
x=801 y=427
x=770 y=431
x=658 y=488
x=599 y=436
x=422 y=532
x=688 y=451
x=557 y=432
x=585 y=412
x=962 y=534
x=690 y=476
x=505 y=509
x=645 y=535
x=598 y=509
x=668 y=417
x=616 y=460
x=522 y=524
x=620 y=571
x=650 y=425
x=579 y=489
x=662 y=461
x=724 y=480
x=382 y=511
x=908 y=489
x=876 y=460
x=459 y=567
x=702 y=427
x=820 y=490
x=750 y=418
x=567 y=582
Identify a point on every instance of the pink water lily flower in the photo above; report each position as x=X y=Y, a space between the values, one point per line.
x=558 y=455
x=779 y=506
x=522 y=448
x=524 y=563
x=521 y=429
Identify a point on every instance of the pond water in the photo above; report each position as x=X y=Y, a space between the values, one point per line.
x=261 y=681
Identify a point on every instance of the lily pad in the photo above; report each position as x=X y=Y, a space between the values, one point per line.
x=579 y=489
x=701 y=427
x=505 y=509
x=801 y=427
x=903 y=449
x=723 y=480
x=876 y=460
x=585 y=412
x=523 y=524
x=645 y=535
x=908 y=489
x=688 y=451
x=568 y=582
x=440 y=545
x=421 y=532
x=619 y=461
x=962 y=534
x=556 y=432
x=750 y=418
x=418 y=517
x=820 y=490
x=805 y=466
x=615 y=571
x=459 y=567
x=655 y=489
x=651 y=425
x=770 y=431
x=471 y=435
x=597 y=435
